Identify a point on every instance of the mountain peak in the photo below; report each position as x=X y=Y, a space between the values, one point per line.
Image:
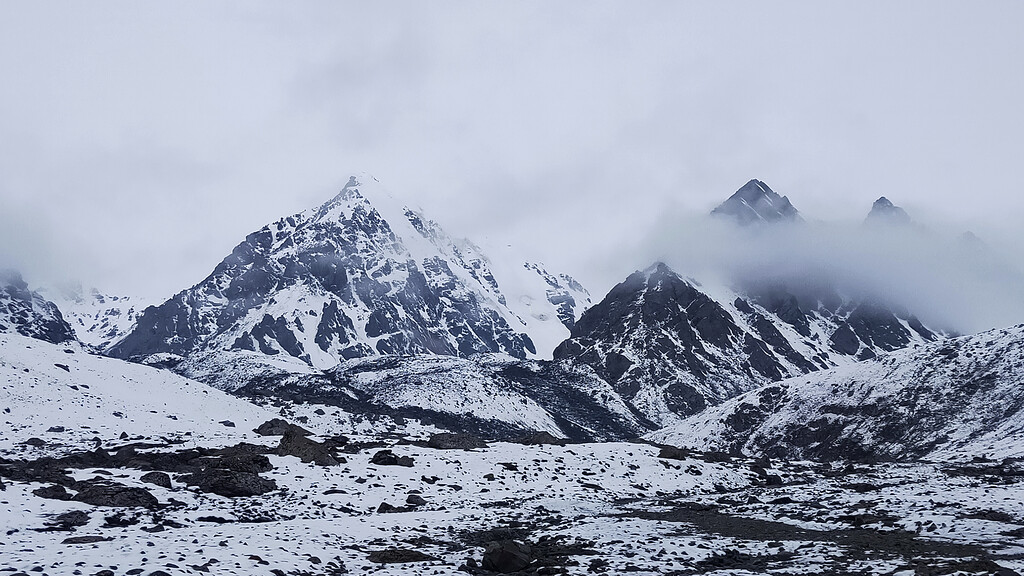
x=756 y=202
x=884 y=212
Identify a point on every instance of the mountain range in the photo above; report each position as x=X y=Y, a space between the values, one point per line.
x=352 y=389
x=304 y=306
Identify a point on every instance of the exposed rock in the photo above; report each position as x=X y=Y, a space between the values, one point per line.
x=307 y=450
x=157 y=478
x=388 y=458
x=278 y=427
x=85 y=539
x=230 y=483
x=541 y=438
x=68 y=521
x=507 y=556
x=399 y=556
x=452 y=441
x=54 y=492
x=103 y=493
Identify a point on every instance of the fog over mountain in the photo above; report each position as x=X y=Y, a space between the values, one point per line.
x=963 y=285
x=141 y=141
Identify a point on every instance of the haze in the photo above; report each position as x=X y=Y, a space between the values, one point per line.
x=142 y=141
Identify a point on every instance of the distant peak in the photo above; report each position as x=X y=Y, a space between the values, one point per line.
x=757 y=202
x=884 y=212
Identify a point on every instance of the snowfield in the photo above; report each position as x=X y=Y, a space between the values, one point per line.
x=390 y=496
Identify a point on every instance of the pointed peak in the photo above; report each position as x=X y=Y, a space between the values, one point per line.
x=755 y=201
x=884 y=212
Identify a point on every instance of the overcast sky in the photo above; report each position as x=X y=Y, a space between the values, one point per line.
x=140 y=141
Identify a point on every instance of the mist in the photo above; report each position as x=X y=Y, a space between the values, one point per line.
x=950 y=281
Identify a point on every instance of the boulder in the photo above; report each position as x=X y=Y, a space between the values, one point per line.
x=399 y=556
x=103 y=493
x=68 y=521
x=54 y=492
x=157 y=478
x=451 y=441
x=230 y=483
x=278 y=427
x=541 y=438
x=307 y=450
x=388 y=458
x=507 y=556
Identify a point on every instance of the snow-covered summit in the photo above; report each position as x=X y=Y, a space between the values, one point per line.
x=756 y=202
x=97 y=319
x=363 y=274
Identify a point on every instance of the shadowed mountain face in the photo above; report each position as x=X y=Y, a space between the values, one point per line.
x=361 y=275
x=756 y=202
x=28 y=313
x=885 y=213
x=671 y=349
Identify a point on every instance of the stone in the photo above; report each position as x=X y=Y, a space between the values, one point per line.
x=278 y=427
x=388 y=458
x=399 y=556
x=157 y=478
x=450 y=441
x=113 y=494
x=506 y=556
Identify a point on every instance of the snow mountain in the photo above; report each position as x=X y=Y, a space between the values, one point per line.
x=672 y=347
x=97 y=319
x=756 y=202
x=956 y=398
x=29 y=313
x=362 y=275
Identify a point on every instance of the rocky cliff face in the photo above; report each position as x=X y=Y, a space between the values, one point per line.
x=960 y=396
x=672 y=347
x=362 y=275
x=26 y=312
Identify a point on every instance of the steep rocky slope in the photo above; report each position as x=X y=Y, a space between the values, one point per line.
x=961 y=396
x=672 y=347
x=362 y=275
x=26 y=312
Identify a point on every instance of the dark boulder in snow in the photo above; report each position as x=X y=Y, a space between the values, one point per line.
x=278 y=427
x=157 y=479
x=388 y=458
x=450 y=441
x=103 y=493
x=507 y=556
x=230 y=483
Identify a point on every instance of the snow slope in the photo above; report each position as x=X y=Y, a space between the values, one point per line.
x=45 y=386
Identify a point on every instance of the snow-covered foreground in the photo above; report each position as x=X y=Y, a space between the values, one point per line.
x=582 y=508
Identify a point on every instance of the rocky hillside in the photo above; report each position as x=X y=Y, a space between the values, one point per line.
x=672 y=347
x=26 y=312
x=959 y=396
